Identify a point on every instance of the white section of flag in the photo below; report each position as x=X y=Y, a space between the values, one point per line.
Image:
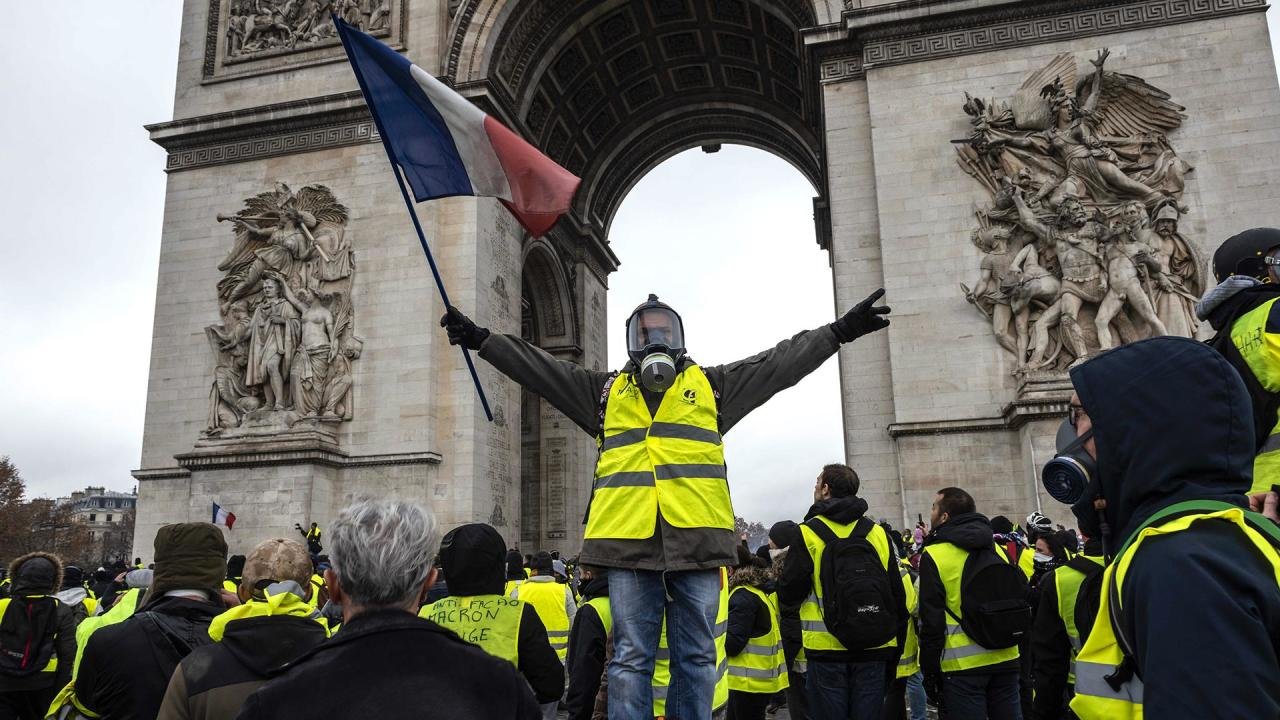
x=466 y=125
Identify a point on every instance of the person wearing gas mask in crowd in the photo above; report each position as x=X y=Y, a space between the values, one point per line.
x=1243 y=311
x=1068 y=605
x=660 y=503
x=1155 y=460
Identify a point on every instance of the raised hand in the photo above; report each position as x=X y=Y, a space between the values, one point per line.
x=462 y=331
x=864 y=318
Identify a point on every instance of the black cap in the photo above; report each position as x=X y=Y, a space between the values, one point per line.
x=542 y=561
x=474 y=559
x=1243 y=253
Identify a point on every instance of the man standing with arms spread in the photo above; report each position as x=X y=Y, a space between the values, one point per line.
x=660 y=513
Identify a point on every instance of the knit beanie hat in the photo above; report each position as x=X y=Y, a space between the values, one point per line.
x=189 y=556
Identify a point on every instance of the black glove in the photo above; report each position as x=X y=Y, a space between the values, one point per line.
x=462 y=331
x=933 y=688
x=862 y=319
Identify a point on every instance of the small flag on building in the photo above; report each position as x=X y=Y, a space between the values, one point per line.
x=222 y=517
x=446 y=145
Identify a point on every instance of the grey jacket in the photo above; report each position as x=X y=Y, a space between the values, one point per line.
x=740 y=387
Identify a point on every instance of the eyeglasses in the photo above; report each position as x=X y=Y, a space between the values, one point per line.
x=1074 y=411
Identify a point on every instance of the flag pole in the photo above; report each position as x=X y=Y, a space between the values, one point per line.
x=408 y=203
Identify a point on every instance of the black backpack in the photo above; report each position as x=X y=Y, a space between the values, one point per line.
x=858 y=604
x=27 y=634
x=993 y=600
x=1088 y=596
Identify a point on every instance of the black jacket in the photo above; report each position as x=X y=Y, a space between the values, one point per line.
x=126 y=667
x=587 y=641
x=214 y=680
x=1051 y=646
x=796 y=581
x=390 y=664
x=969 y=531
x=1172 y=422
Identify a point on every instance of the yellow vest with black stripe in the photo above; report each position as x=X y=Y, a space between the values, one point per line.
x=761 y=667
x=662 y=666
x=909 y=663
x=548 y=599
x=670 y=462
x=52 y=665
x=813 y=629
x=959 y=651
x=601 y=605
x=1102 y=653
x=1261 y=352
x=491 y=622
x=1066 y=581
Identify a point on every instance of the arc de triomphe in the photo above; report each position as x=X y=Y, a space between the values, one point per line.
x=296 y=360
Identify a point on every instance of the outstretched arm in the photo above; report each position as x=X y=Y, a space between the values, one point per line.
x=1029 y=220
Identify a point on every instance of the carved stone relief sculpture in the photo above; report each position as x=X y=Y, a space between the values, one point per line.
x=284 y=349
x=256 y=27
x=1080 y=243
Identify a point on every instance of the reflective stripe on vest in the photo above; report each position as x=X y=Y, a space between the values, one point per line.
x=672 y=461
x=548 y=599
x=813 y=629
x=761 y=667
x=1067 y=582
x=491 y=622
x=1261 y=352
x=662 y=664
x=1095 y=698
x=959 y=651
x=601 y=606
x=909 y=663
x=52 y=665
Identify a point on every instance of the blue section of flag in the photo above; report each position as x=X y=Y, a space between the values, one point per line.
x=215 y=514
x=412 y=128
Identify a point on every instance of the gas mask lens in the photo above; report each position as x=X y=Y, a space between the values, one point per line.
x=652 y=327
x=1066 y=477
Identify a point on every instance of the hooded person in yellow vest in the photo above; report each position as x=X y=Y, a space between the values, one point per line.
x=753 y=643
x=37 y=637
x=1064 y=617
x=1155 y=459
x=660 y=503
x=969 y=680
x=554 y=602
x=587 y=641
x=783 y=536
x=474 y=556
x=1243 y=311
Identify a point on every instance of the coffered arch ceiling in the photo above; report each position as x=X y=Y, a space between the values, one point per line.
x=611 y=88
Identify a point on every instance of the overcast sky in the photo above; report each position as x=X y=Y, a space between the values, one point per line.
x=82 y=196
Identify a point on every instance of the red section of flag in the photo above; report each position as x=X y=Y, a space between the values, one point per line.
x=541 y=190
x=231 y=520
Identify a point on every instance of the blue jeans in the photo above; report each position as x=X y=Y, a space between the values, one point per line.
x=982 y=696
x=638 y=599
x=845 y=691
x=916 y=700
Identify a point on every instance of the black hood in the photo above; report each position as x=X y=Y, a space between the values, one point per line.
x=515 y=565
x=473 y=558
x=969 y=531
x=842 y=510
x=266 y=644
x=1172 y=422
x=597 y=586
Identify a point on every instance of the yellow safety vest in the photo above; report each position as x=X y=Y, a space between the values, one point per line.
x=491 y=622
x=909 y=663
x=510 y=588
x=1095 y=698
x=125 y=606
x=317 y=585
x=278 y=605
x=662 y=666
x=314 y=534
x=1066 y=581
x=1261 y=352
x=1027 y=561
x=761 y=666
x=960 y=652
x=671 y=462
x=548 y=599
x=52 y=665
x=601 y=606
x=813 y=629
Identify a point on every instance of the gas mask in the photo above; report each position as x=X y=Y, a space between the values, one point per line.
x=655 y=343
x=1071 y=478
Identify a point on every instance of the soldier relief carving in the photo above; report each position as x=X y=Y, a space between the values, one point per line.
x=1080 y=242
x=284 y=349
x=256 y=27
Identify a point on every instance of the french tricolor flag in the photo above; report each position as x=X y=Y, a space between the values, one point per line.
x=446 y=145
x=222 y=517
